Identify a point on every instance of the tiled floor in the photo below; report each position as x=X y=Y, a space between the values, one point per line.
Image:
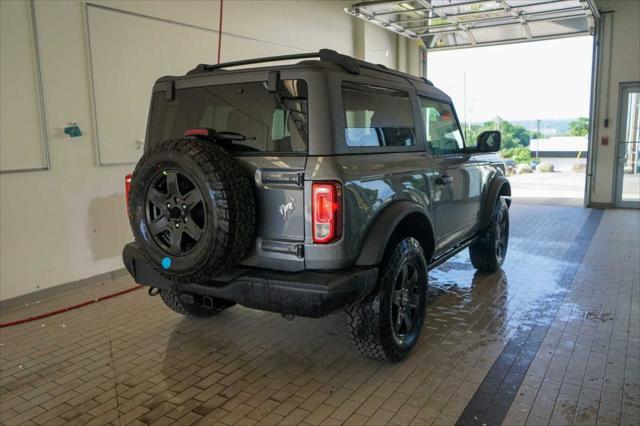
x=553 y=339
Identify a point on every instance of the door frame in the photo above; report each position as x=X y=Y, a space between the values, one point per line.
x=618 y=180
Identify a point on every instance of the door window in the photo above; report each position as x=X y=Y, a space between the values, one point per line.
x=442 y=131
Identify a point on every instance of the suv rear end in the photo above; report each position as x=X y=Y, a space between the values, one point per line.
x=273 y=111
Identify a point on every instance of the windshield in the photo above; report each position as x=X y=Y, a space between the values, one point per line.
x=269 y=122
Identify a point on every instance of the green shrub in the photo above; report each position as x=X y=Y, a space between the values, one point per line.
x=518 y=154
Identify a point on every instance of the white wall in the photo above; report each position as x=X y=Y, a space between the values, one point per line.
x=69 y=223
x=381 y=46
x=625 y=67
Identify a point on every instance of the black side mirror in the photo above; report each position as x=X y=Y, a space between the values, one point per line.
x=488 y=141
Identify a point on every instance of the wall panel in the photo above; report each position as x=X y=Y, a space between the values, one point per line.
x=23 y=141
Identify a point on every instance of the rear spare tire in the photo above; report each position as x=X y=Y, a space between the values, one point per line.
x=192 y=209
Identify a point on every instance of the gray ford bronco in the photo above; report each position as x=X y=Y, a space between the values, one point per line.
x=310 y=188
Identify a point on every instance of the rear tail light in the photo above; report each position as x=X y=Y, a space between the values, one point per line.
x=198 y=132
x=127 y=189
x=326 y=204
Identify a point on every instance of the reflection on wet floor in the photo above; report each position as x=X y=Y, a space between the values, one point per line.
x=528 y=337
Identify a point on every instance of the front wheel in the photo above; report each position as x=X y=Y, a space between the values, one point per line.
x=387 y=324
x=489 y=250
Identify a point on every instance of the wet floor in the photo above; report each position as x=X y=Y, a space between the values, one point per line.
x=552 y=338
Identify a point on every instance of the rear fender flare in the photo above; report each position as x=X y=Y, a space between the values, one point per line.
x=381 y=231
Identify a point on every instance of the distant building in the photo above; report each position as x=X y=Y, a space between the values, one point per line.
x=546 y=131
x=561 y=151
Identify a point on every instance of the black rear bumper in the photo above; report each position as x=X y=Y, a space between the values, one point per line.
x=306 y=293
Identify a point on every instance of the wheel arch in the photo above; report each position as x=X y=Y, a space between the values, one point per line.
x=499 y=187
x=400 y=219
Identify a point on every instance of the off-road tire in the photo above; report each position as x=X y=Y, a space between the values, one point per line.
x=172 y=300
x=370 y=321
x=484 y=252
x=231 y=215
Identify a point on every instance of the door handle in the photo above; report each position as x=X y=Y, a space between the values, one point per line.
x=444 y=180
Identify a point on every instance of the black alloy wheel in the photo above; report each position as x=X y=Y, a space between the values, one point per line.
x=175 y=212
x=502 y=237
x=386 y=325
x=404 y=302
x=489 y=250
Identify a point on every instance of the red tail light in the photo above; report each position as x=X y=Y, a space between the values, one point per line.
x=198 y=132
x=326 y=204
x=127 y=188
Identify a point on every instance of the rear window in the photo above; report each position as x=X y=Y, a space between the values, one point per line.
x=270 y=122
x=377 y=117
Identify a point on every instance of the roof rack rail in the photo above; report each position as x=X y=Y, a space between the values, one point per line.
x=327 y=55
x=349 y=64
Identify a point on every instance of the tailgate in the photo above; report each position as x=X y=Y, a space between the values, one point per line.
x=279 y=210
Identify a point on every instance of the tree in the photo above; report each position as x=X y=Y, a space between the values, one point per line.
x=512 y=135
x=579 y=127
x=519 y=154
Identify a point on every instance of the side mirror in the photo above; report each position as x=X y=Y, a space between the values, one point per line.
x=488 y=141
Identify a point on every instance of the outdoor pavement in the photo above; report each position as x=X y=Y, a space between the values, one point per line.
x=557 y=188
x=553 y=338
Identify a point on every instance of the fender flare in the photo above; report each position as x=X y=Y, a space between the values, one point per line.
x=497 y=185
x=382 y=229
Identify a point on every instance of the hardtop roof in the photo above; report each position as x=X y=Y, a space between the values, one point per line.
x=326 y=60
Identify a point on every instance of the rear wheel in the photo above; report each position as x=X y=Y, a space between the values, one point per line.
x=489 y=250
x=388 y=323
x=199 y=308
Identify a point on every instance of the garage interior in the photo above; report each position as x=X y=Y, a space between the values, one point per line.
x=553 y=338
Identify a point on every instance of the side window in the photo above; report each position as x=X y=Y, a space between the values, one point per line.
x=377 y=117
x=442 y=130
x=279 y=125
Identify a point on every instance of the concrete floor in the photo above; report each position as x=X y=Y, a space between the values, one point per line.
x=552 y=339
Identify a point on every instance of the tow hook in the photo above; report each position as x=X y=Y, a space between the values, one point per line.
x=288 y=317
x=154 y=291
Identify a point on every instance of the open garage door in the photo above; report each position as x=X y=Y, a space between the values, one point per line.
x=452 y=24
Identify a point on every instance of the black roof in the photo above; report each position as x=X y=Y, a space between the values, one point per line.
x=349 y=64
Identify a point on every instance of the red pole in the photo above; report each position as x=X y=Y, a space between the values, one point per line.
x=220 y=31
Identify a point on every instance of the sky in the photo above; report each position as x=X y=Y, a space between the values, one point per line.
x=523 y=81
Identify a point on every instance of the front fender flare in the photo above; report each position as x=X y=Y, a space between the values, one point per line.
x=498 y=184
x=385 y=224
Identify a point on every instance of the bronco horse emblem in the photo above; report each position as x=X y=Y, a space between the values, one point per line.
x=287 y=208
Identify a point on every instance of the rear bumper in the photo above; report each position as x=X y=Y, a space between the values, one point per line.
x=305 y=293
